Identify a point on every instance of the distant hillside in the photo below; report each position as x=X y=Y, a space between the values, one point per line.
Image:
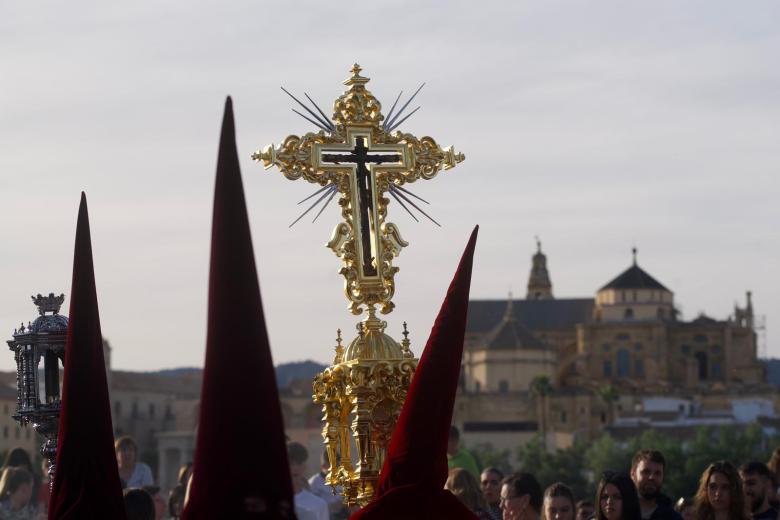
x=286 y=373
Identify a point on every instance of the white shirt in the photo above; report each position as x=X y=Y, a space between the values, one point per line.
x=318 y=486
x=311 y=504
x=142 y=476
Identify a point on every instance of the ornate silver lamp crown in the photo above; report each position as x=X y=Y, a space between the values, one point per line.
x=38 y=399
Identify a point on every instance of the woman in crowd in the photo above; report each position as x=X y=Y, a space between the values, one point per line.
x=686 y=508
x=558 y=503
x=616 y=498
x=133 y=474
x=19 y=457
x=720 y=495
x=774 y=467
x=176 y=501
x=464 y=485
x=16 y=491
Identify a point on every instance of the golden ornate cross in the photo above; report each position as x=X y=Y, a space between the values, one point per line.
x=355 y=154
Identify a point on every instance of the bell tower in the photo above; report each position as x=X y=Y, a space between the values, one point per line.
x=539 y=285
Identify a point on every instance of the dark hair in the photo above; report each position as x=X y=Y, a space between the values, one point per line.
x=584 y=503
x=525 y=484
x=737 y=508
x=630 y=499
x=454 y=433
x=559 y=489
x=495 y=470
x=648 y=455
x=297 y=453
x=756 y=468
x=18 y=457
x=139 y=504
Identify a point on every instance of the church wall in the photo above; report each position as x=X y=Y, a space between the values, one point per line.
x=11 y=433
x=507 y=370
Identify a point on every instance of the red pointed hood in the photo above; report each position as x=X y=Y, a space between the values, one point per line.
x=415 y=470
x=86 y=483
x=240 y=468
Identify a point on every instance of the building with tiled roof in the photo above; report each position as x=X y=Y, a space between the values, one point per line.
x=628 y=337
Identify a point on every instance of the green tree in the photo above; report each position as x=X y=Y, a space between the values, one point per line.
x=541 y=388
x=487 y=457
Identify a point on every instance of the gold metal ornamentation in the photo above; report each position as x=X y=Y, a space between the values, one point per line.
x=364 y=242
x=363 y=391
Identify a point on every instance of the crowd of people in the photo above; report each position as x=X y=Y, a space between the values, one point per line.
x=725 y=492
x=24 y=494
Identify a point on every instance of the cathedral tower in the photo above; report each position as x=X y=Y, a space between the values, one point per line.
x=539 y=285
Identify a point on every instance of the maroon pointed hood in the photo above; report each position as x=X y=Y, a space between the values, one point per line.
x=415 y=470
x=86 y=483
x=240 y=468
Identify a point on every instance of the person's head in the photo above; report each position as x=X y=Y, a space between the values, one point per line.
x=139 y=504
x=585 y=509
x=720 y=491
x=647 y=472
x=176 y=501
x=464 y=485
x=774 y=463
x=185 y=472
x=756 y=483
x=297 y=455
x=490 y=483
x=616 y=498
x=686 y=508
x=18 y=457
x=16 y=484
x=453 y=443
x=520 y=492
x=126 y=451
x=558 y=503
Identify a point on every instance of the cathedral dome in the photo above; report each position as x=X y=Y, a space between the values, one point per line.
x=634 y=278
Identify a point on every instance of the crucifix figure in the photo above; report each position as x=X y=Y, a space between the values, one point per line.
x=360 y=157
x=356 y=154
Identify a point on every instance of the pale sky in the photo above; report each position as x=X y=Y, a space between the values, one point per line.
x=595 y=124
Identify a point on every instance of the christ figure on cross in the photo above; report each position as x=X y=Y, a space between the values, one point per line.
x=361 y=157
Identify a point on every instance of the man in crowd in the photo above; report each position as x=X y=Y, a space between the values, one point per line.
x=647 y=472
x=521 y=497
x=585 y=510
x=458 y=457
x=756 y=483
x=307 y=505
x=318 y=486
x=490 y=482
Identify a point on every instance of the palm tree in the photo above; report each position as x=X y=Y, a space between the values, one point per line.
x=609 y=394
x=541 y=388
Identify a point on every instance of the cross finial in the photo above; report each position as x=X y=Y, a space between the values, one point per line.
x=339 y=349
x=633 y=253
x=538 y=244
x=356 y=78
x=405 y=344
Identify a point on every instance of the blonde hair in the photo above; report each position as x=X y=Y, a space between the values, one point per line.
x=13 y=477
x=464 y=485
